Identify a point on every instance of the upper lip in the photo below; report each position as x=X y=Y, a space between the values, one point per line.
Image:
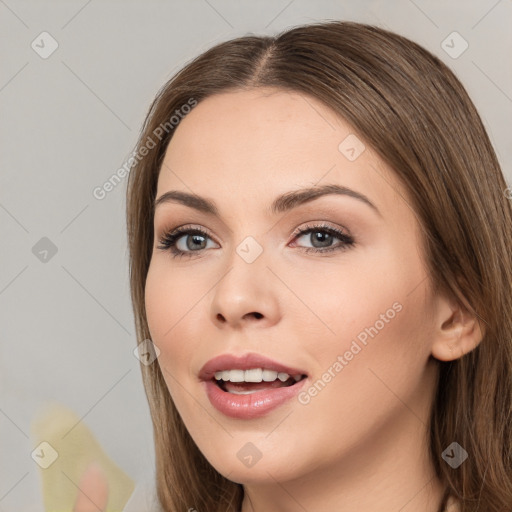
x=244 y=362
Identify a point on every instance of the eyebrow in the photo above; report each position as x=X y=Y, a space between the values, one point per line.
x=281 y=204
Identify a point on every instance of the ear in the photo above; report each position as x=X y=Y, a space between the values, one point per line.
x=456 y=330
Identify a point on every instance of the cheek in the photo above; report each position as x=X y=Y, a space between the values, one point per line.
x=345 y=296
x=364 y=378
x=374 y=312
x=172 y=305
x=159 y=304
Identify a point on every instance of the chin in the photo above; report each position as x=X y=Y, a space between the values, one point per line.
x=238 y=467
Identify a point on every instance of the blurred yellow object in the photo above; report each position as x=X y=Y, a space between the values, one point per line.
x=63 y=448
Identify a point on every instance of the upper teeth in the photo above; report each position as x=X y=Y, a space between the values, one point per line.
x=254 y=375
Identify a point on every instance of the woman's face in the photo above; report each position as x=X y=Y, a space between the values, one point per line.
x=353 y=312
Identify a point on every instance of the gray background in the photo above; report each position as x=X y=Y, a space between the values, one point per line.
x=69 y=121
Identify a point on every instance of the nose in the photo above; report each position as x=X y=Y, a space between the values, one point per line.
x=246 y=295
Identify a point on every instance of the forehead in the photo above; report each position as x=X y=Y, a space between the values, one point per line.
x=246 y=147
x=250 y=117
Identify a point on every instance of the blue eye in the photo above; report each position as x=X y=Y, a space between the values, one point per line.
x=196 y=240
x=324 y=241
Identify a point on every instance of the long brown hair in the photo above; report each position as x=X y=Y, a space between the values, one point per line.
x=411 y=109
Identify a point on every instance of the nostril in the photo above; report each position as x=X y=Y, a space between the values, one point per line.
x=255 y=314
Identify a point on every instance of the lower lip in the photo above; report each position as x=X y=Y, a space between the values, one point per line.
x=251 y=406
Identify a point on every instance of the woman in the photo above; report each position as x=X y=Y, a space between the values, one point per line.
x=341 y=338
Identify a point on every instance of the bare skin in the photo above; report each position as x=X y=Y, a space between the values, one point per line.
x=360 y=442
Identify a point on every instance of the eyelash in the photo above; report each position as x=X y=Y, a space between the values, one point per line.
x=169 y=239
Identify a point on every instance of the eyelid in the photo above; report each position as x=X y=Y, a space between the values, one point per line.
x=298 y=231
x=319 y=224
x=183 y=227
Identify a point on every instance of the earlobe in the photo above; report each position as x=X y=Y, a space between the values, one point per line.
x=457 y=332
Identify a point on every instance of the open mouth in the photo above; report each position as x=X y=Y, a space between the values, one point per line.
x=247 y=388
x=250 y=393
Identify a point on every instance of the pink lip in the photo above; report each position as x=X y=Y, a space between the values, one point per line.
x=245 y=362
x=255 y=404
x=251 y=406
